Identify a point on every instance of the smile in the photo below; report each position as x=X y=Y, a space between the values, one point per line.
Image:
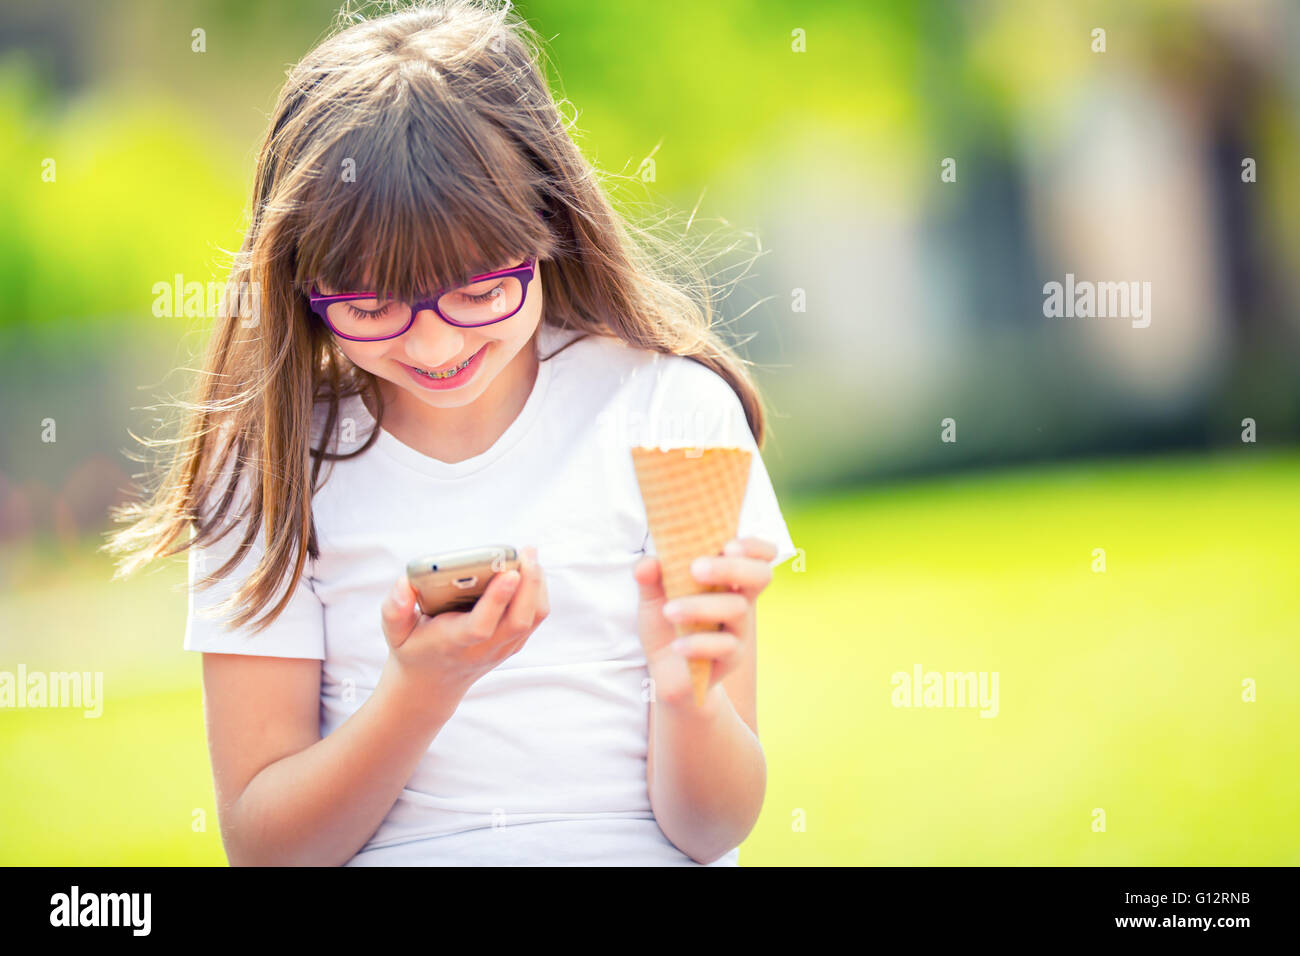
x=450 y=372
x=454 y=377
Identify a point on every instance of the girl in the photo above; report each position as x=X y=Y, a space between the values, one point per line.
x=451 y=318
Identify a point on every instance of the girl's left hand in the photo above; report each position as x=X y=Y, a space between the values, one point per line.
x=745 y=569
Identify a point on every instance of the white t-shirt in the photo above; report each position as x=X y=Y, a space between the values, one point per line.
x=544 y=760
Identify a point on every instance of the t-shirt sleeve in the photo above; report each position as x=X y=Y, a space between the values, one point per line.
x=694 y=405
x=298 y=631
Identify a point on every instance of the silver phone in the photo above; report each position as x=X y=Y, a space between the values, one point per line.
x=455 y=580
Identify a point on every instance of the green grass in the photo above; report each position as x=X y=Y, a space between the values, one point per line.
x=1118 y=690
x=130 y=788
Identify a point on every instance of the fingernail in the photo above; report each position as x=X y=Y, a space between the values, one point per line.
x=701 y=566
x=733 y=549
x=672 y=609
x=512 y=580
x=680 y=645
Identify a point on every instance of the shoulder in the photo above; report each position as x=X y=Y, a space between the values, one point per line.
x=686 y=380
x=351 y=427
x=694 y=405
x=665 y=400
x=569 y=347
x=642 y=372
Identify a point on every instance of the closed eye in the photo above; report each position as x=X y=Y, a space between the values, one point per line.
x=481 y=297
x=364 y=314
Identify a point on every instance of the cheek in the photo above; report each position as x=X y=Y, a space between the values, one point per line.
x=533 y=309
x=360 y=356
x=519 y=328
x=353 y=355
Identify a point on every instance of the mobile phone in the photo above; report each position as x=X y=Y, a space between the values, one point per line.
x=455 y=580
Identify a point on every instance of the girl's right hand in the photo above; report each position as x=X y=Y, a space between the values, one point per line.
x=442 y=656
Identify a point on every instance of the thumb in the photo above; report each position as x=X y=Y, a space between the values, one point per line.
x=649 y=579
x=399 y=613
x=653 y=629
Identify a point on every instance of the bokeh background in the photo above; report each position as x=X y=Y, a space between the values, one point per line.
x=885 y=301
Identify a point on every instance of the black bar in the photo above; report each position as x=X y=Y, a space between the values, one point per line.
x=938 y=903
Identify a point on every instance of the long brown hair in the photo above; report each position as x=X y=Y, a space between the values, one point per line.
x=420 y=145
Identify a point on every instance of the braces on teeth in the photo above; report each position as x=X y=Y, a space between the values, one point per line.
x=458 y=368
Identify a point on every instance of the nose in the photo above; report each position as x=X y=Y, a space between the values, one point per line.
x=431 y=342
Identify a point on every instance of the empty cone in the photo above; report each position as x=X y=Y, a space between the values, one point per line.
x=692 y=501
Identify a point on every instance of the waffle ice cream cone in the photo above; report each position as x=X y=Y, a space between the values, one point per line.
x=692 y=501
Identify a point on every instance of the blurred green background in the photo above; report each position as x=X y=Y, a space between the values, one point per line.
x=1119 y=690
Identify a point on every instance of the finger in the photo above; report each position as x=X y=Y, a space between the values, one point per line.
x=486 y=613
x=751 y=547
x=398 y=614
x=519 y=616
x=715 y=646
x=740 y=574
x=719 y=608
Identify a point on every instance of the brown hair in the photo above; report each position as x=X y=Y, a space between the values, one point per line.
x=415 y=146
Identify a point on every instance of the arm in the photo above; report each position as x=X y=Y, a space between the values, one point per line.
x=709 y=789
x=285 y=796
x=710 y=776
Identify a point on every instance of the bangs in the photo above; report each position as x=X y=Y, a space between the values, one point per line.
x=435 y=197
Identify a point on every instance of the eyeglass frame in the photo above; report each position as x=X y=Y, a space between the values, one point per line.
x=526 y=271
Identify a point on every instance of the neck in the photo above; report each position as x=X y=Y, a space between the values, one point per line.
x=454 y=434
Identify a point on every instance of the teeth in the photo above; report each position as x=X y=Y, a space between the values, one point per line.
x=446 y=374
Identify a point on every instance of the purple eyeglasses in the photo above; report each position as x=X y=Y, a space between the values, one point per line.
x=485 y=300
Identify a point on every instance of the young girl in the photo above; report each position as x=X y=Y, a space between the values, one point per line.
x=453 y=321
